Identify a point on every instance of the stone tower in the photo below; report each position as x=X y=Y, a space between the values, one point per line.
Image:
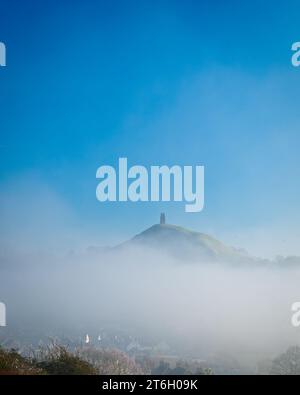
x=162 y=219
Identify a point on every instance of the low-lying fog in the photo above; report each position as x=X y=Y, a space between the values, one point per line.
x=197 y=308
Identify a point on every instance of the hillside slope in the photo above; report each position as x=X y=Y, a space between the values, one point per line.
x=185 y=244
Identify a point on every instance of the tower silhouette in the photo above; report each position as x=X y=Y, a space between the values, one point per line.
x=162 y=218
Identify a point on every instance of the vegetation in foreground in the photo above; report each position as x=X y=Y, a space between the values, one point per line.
x=57 y=360
x=12 y=363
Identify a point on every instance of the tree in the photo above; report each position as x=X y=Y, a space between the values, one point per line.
x=287 y=363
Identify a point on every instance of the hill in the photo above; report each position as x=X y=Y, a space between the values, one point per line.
x=184 y=244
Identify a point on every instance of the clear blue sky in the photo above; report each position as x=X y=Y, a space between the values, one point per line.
x=160 y=82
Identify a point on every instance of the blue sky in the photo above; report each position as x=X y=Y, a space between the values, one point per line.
x=169 y=82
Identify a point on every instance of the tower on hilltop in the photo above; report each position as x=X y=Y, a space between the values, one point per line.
x=162 y=219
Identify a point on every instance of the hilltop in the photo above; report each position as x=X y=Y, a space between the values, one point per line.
x=185 y=244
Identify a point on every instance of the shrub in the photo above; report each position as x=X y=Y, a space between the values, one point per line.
x=12 y=363
x=287 y=363
x=56 y=360
x=110 y=361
